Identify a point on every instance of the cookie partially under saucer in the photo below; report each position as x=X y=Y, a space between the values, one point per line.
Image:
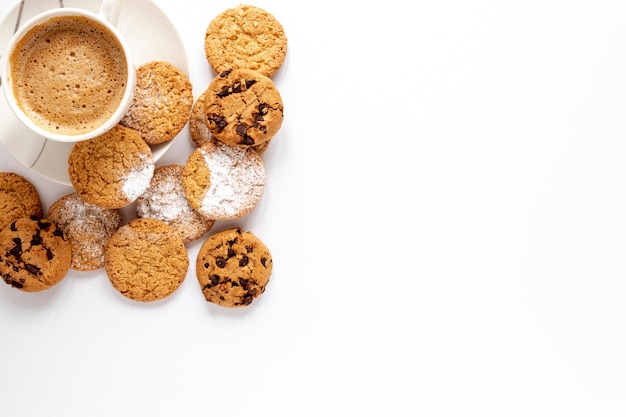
x=111 y=170
x=150 y=34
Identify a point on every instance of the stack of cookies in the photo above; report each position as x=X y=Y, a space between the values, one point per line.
x=231 y=124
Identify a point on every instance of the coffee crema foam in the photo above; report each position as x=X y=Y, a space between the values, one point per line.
x=69 y=74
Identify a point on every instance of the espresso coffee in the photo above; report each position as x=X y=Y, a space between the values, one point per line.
x=69 y=74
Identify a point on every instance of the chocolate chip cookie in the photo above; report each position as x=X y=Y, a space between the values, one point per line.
x=233 y=268
x=243 y=108
x=34 y=254
x=199 y=131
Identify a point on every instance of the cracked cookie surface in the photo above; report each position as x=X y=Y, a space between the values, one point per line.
x=34 y=254
x=245 y=36
x=161 y=103
x=243 y=108
x=111 y=170
x=146 y=260
x=233 y=268
x=18 y=198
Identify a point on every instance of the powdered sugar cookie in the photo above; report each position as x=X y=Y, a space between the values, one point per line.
x=223 y=182
x=165 y=200
x=161 y=104
x=112 y=170
x=88 y=228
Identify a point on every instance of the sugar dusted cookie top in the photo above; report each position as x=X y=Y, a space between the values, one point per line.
x=161 y=103
x=245 y=37
x=88 y=228
x=165 y=200
x=112 y=170
x=223 y=182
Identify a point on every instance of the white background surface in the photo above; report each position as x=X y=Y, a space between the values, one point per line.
x=445 y=207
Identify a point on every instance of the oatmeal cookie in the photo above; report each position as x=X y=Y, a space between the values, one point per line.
x=18 y=198
x=112 y=170
x=245 y=37
x=146 y=260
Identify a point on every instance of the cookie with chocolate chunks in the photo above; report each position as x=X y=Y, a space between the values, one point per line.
x=243 y=108
x=34 y=254
x=199 y=131
x=233 y=267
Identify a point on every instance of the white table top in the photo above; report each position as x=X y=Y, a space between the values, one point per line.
x=445 y=207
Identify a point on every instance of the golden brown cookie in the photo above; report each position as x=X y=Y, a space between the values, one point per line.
x=233 y=268
x=243 y=108
x=199 y=131
x=165 y=200
x=223 y=182
x=112 y=170
x=34 y=254
x=88 y=228
x=18 y=198
x=245 y=37
x=146 y=260
x=161 y=104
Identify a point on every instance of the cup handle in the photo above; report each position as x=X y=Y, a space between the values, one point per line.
x=110 y=10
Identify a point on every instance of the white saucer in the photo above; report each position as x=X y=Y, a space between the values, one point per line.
x=151 y=37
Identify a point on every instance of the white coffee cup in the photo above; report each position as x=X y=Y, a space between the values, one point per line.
x=75 y=100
